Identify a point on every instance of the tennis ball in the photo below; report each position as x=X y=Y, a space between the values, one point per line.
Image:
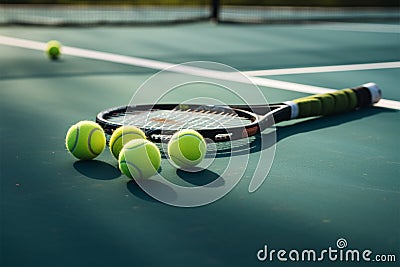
x=187 y=148
x=53 y=49
x=123 y=135
x=139 y=159
x=85 y=140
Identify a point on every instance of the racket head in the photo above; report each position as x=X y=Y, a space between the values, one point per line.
x=161 y=121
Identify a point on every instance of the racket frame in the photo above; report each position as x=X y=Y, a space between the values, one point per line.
x=261 y=117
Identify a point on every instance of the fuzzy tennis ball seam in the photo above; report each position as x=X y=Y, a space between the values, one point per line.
x=182 y=162
x=191 y=155
x=85 y=140
x=75 y=143
x=147 y=151
x=88 y=142
x=123 y=135
x=119 y=138
x=187 y=148
x=139 y=158
x=128 y=172
x=92 y=132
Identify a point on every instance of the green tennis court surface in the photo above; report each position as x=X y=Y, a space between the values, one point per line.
x=332 y=178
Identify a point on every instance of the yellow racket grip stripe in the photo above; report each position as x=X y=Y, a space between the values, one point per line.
x=308 y=107
x=326 y=104
x=351 y=98
x=332 y=103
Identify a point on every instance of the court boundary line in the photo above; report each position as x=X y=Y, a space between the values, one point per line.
x=357 y=27
x=159 y=65
x=323 y=69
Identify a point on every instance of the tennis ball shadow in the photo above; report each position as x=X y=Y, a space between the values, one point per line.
x=160 y=189
x=201 y=178
x=55 y=60
x=96 y=169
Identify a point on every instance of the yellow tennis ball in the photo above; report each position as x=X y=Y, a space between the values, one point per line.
x=85 y=140
x=187 y=148
x=139 y=159
x=53 y=49
x=123 y=135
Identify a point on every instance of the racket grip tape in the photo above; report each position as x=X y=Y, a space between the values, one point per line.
x=337 y=102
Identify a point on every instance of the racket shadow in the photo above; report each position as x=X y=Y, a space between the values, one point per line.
x=266 y=140
x=318 y=123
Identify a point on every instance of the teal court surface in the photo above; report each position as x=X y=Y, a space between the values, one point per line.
x=332 y=178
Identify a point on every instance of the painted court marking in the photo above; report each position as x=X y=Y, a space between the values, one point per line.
x=351 y=67
x=159 y=65
x=357 y=27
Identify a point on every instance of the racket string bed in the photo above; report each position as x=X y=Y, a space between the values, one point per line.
x=213 y=120
x=147 y=119
x=135 y=118
x=177 y=119
x=196 y=118
x=203 y=120
x=219 y=117
x=225 y=120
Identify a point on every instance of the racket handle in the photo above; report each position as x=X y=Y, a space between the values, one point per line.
x=337 y=102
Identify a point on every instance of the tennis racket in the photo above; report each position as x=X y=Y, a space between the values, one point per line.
x=225 y=123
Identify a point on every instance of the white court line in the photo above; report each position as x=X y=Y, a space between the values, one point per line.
x=356 y=27
x=158 y=65
x=352 y=67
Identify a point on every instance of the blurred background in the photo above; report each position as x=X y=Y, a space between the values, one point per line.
x=99 y=12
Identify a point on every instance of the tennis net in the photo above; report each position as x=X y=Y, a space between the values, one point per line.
x=100 y=12
x=130 y=12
